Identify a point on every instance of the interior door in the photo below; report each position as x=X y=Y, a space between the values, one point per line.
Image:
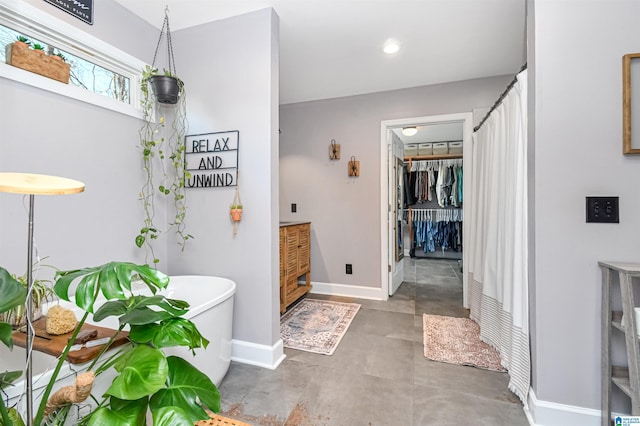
x=396 y=206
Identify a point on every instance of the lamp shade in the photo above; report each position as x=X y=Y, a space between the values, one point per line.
x=29 y=183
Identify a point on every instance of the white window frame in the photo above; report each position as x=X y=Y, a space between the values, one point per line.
x=35 y=23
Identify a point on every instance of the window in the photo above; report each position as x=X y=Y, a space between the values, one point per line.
x=84 y=73
x=100 y=74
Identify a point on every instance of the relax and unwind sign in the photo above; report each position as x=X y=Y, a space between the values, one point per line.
x=212 y=159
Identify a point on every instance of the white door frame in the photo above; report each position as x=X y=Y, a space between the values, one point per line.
x=466 y=118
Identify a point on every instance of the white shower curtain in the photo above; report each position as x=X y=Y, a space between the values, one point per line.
x=498 y=269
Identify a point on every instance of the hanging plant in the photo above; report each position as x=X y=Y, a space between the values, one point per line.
x=163 y=149
x=236 y=208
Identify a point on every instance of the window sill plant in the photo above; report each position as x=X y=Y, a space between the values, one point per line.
x=32 y=57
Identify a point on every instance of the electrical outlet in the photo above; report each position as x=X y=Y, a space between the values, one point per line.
x=349 y=269
x=602 y=210
x=294 y=207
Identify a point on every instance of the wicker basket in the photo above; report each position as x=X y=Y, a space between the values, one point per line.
x=218 y=420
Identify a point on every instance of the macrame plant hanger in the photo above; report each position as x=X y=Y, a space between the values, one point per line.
x=236 y=206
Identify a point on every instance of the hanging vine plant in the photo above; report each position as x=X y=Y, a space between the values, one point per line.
x=162 y=148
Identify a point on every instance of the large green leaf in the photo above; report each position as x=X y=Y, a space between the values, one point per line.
x=112 y=308
x=14 y=417
x=172 y=332
x=12 y=293
x=136 y=310
x=186 y=383
x=5 y=334
x=113 y=279
x=171 y=416
x=121 y=413
x=87 y=291
x=141 y=313
x=143 y=371
x=8 y=377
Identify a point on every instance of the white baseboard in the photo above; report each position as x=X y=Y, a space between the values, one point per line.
x=545 y=413
x=344 y=290
x=259 y=355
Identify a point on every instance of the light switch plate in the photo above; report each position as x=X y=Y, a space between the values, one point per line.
x=603 y=210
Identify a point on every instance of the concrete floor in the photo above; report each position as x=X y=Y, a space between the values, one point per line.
x=378 y=375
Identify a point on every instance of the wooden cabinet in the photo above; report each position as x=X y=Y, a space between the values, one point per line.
x=295 y=263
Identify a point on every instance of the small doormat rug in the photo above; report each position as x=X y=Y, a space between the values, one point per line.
x=457 y=341
x=317 y=325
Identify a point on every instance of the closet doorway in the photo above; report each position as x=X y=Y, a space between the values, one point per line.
x=394 y=212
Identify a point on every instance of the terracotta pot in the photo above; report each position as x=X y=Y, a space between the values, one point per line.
x=236 y=214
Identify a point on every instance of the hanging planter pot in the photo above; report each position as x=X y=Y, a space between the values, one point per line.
x=236 y=209
x=236 y=213
x=165 y=88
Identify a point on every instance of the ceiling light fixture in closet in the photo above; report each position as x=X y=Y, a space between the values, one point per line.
x=390 y=47
x=409 y=131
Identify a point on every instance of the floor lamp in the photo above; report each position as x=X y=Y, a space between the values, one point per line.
x=32 y=184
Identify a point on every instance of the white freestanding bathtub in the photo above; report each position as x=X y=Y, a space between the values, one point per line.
x=211 y=310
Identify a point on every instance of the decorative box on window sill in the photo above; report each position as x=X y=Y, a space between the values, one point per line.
x=36 y=61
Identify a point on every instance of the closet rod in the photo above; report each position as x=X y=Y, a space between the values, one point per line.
x=501 y=98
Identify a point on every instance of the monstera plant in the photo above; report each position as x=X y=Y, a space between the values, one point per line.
x=12 y=294
x=173 y=390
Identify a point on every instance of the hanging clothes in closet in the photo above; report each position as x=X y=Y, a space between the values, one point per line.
x=436 y=229
x=434 y=180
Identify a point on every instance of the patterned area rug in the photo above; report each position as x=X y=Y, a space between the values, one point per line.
x=457 y=341
x=316 y=325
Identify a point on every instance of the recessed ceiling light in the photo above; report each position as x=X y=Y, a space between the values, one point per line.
x=391 y=47
x=409 y=131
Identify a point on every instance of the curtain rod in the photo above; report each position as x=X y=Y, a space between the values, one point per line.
x=502 y=96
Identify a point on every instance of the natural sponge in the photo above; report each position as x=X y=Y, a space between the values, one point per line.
x=60 y=320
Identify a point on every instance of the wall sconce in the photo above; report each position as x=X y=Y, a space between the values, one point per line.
x=353 y=168
x=334 y=150
x=409 y=131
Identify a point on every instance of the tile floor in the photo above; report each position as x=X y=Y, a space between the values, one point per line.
x=378 y=375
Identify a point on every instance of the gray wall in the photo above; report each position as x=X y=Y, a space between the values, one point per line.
x=234 y=87
x=345 y=212
x=578 y=152
x=231 y=85
x=115 y=25
x=51 y=134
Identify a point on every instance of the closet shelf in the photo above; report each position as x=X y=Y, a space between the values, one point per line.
x=433 y=157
